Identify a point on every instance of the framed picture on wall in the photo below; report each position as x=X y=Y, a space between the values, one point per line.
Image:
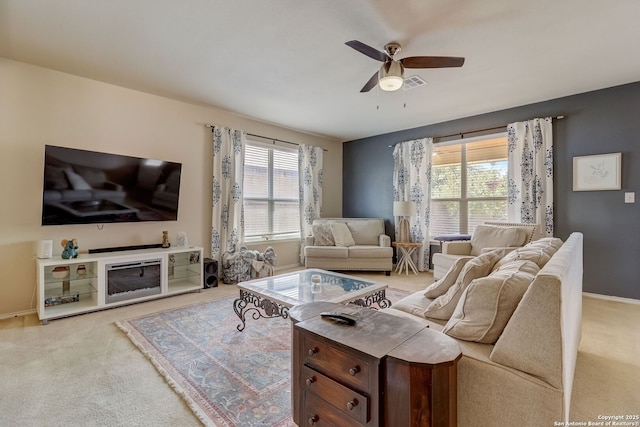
x=597 y=172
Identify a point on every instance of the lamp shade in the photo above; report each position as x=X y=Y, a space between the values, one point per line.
x=404 y=208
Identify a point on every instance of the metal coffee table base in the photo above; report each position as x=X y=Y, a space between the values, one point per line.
x=260 y=306
x=379 y=298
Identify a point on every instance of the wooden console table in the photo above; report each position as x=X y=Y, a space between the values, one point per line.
x=385 y=370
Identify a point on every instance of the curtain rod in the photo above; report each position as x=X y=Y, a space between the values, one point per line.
x=269 y=138
x=462 y=134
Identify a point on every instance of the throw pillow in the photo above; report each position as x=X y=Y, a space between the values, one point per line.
x=341 y=234
x=495 y=237
x=322 y=235
x=77 y=182
x=441 y=286
x=94 y=177
x=539 y=251
x=487 y=304
x=480 y=266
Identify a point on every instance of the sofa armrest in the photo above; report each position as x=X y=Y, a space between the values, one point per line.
x=462 y=247
x=543 y=334
x=384 y=241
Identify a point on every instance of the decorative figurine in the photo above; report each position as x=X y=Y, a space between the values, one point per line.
x=165 y=239
x=70 y=248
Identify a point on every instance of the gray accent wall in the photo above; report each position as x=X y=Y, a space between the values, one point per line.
x=602 y=121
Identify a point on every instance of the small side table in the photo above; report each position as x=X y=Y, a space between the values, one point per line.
x=385 y=370
x=406 y=249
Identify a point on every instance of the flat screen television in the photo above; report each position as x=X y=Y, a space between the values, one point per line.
x=89 y=187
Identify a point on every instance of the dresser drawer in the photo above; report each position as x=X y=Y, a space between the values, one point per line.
x=346 y=367
x=318 y=413
x=350 y=402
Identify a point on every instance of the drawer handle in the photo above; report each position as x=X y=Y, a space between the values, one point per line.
x=312 y=420
x=310 y=380
x=312 y=351
x=353 y=371
x=352 y=404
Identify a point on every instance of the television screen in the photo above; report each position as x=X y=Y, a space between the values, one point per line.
x=88 y=187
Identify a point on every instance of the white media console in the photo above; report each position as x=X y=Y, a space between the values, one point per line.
x=93 y=282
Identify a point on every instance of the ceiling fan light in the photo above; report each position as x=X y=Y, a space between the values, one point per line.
x=390 y=77
x=391 y=83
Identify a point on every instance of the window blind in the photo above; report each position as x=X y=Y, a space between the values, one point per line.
x=271 y=205
x=468 y=185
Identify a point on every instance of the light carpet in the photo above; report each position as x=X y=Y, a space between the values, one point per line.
x=228 y=378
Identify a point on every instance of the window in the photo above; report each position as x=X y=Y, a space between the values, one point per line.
x=468 y=184
x=271 y=205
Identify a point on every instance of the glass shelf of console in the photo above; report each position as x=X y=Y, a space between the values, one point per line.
x=69 y=273
x=184 y=269
x=68 y=287
x=56 y=294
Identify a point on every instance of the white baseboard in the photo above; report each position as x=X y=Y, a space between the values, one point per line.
x=611 y=298
x=17 y=314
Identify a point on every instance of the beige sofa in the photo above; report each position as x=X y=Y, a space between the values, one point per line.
x=523 y=374
x=487 y=236
x=349 y=244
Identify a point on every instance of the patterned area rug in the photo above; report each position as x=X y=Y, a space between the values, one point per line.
x=228 y=378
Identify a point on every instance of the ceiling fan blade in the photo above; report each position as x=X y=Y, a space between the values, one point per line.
x=368 y=50
x=432 y=61
x=371 y=83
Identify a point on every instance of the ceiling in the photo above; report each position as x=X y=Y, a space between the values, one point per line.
x=285 y=61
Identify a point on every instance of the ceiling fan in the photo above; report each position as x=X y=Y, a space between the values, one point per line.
x=391 y=74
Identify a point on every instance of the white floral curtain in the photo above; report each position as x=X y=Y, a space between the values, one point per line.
x=412 y=182
x=310 y=177
x=227 y=220
x=530 y=173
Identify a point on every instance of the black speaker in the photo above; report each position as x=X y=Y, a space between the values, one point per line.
x=210 y=273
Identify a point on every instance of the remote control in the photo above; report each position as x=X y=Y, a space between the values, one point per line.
x=340 y=317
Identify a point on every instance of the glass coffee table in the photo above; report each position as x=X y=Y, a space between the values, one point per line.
x=273 y=296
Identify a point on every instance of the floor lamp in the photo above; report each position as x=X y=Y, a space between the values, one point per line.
x=404 y=210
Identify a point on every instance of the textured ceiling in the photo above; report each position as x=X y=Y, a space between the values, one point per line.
x=285 y=61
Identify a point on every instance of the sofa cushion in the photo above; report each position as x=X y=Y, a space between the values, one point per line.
x=73 y=195
x=369 y=251
x=442 y=285
x=487 y=303
x=480 y=266
x=341 y=234
x=366 y=231
x=494 y=236
x=415 y=304
x=326 y=252
x=322 y=235
x=539 y=251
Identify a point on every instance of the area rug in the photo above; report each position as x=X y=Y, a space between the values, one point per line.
x=228 y=378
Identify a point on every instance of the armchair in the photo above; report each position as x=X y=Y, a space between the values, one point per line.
x=486 y=237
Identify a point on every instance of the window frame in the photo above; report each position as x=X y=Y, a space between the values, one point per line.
x=464 y=199
x=270 y=199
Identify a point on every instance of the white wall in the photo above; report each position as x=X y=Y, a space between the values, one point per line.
x=40 y=106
